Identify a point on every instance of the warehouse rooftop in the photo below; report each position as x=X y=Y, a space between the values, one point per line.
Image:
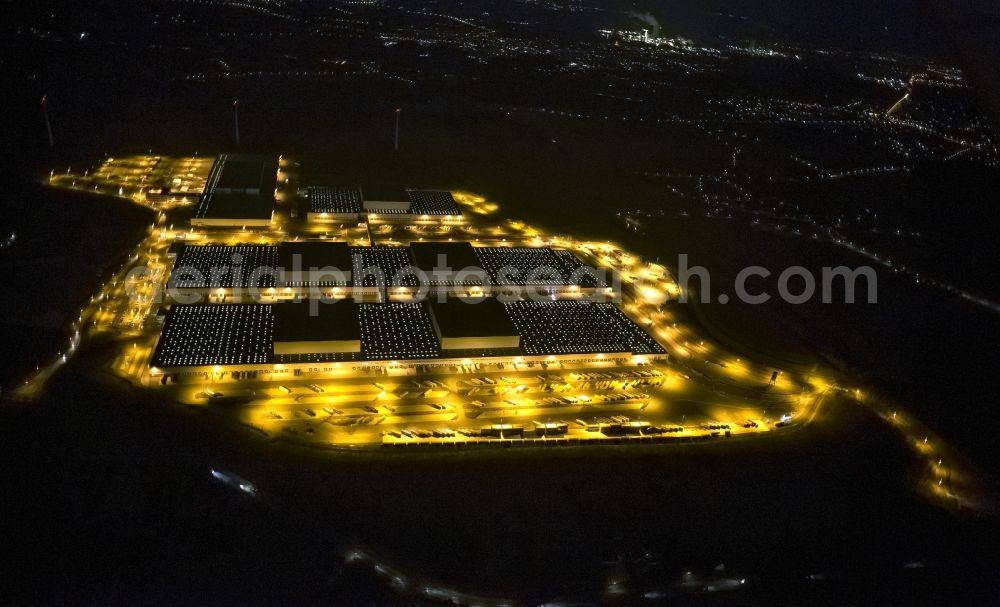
x=223 y=266
x=432 y=202
x=479 y=317
x=244 y=173
x=240 y=188
x=578 y=327
x=532 y=266
x=382 y=266
x=315 y=254
x=236 y=206
x=335 y=200
x=216 y=334
x=456 y=256
x=383 y=192
x=315 y=321
x=391 y=331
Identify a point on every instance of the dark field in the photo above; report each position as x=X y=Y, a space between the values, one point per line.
x=115 y=488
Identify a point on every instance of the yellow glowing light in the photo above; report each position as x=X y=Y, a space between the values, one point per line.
x=652 y=295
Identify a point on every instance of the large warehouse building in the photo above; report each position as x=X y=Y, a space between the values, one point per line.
x=333 y=269
x=240 y=192
x=266 y=336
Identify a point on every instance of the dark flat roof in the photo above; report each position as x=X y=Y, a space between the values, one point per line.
x=457 y=255
x=226 y=205
x=315 y=254
x=315 y=320
x=487 y=317
x=242 y=172
x=383 y=192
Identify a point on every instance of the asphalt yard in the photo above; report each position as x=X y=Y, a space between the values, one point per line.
x=489 y=404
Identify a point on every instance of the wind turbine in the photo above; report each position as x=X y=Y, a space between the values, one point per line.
x=236 y=120
x=396 y=145
x=48 y=125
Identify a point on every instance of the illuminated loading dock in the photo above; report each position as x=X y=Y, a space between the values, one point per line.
x=309 y=332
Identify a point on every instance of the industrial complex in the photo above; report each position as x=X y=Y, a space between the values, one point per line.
x=371 y=315
x=428 y=300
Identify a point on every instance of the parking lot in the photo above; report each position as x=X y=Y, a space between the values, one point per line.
x=466 y=405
